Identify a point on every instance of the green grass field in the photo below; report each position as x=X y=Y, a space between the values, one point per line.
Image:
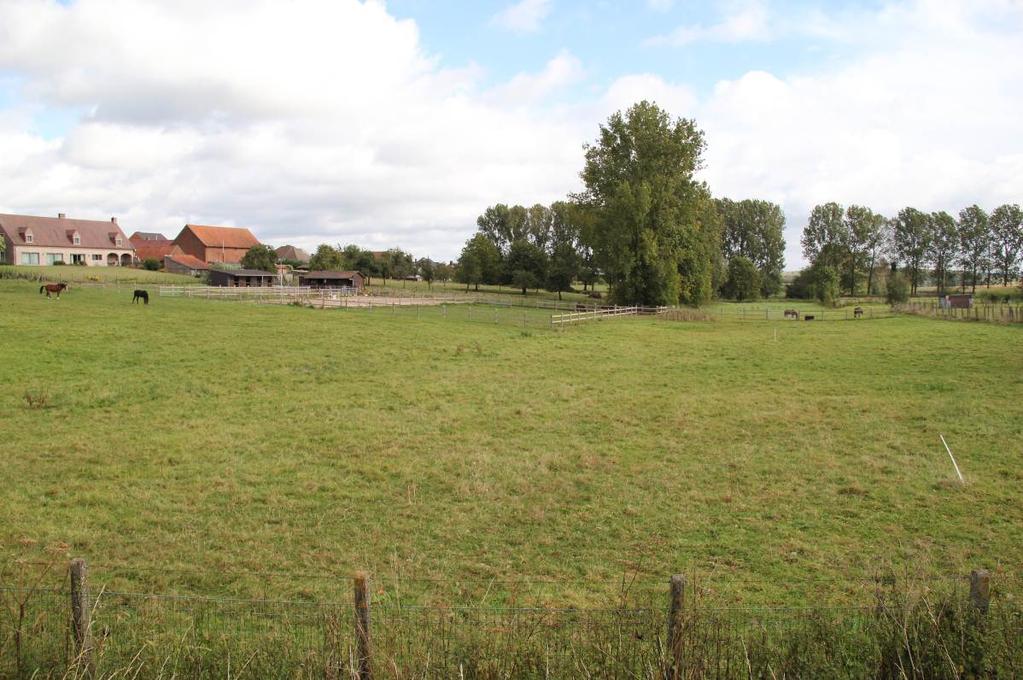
x=104 y=275
x=228 y=448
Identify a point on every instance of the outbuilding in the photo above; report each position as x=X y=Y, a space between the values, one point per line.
x=327 y=279
x=242 y=278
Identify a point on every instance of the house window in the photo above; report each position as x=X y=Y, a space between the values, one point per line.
x=30 y=258
x=118 y=241
x=77 y=258
x=77 y=239
x=54 y=258
x=28 y=237
x=97 y=258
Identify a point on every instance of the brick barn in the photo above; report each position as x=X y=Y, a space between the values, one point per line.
x=215 y=244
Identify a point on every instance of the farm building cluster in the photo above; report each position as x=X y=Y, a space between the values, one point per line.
x=198 y=250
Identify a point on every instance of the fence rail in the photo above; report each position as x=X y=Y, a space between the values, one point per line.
x=996 y=313
x=81 y=629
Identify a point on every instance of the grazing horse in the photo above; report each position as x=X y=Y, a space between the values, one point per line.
x=858 y=312
x=792 y=314
x=141 y=295
x=49 y=288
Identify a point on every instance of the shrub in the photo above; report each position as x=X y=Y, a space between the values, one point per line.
x=151 y=264
x=898 y=288
x=824 y=284
x=743 y=282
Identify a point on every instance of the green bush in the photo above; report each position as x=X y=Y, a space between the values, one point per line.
x=824 y=284
x=743 y=282
x=898 y=288
x=151 y=264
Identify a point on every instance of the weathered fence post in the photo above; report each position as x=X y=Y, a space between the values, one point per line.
x=81 y=615
x=362 y=648
x=980 y=589
x=678 y=587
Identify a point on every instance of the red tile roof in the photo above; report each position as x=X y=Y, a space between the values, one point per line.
x=223 y=237
x=187 y=261
x=153 y=250
x=59 y=232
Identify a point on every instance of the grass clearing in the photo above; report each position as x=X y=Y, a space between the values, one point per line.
x=238 y=449
x=103 y=275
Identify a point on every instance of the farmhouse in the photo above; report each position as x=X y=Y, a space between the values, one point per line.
x=215 y=244
x=49 y=240
x=326 y=279
x=241 y=278
x=176 y=263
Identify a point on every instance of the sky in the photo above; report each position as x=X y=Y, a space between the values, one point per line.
x=394 y=124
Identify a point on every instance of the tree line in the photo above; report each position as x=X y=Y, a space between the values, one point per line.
x=643 y=224
x=849 y=249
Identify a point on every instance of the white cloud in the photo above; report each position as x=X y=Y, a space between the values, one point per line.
x=524 y=16
x=326 y=121
x=744 y=22
x=319 y=120
x=526 y=88
x=928 y=119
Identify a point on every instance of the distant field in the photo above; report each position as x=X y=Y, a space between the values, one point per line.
x=111 y=275
x=236 y=449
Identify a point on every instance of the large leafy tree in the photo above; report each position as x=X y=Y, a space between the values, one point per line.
x=651 y=229
x=260 y=257
x=743 y=281
x=826 y=236
x=943 y=248
x=866 y=236
x=503 y=225
x=974 y=243
x=754 y=229
x=1007 y=240
x=526 y=265
x=326 y=258
x=563 y=257
x=480 y=262
x=911 y=233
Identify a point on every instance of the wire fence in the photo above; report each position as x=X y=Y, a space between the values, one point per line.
x=968 y=627
x=996 y=313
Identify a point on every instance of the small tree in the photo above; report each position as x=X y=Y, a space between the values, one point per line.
x=825 y=284
x=743 y=281
x=260 y=257
x=151 y=264
x=427 y=270
x=898 y=288
x=527 y=265
x=326 y=258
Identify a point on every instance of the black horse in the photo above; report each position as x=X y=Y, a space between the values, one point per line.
x=141 y=295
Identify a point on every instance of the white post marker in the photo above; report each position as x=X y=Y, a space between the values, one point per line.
x=954 y=464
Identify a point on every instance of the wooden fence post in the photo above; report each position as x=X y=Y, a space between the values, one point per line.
x=362 y=648
x=81 y=615
x=980 y=589
x=678 y=587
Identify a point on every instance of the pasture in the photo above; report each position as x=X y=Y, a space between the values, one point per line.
x=234 y=449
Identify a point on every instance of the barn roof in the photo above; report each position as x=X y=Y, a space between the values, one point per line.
x=59 y=231
x=292 y=253
x=187 y=261
x=246 y=272
x=329 y=275
x=222 y=237
x=147 y=236
x=153 y=250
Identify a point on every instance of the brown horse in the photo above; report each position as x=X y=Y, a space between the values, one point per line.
x=858 y=312
x=792 y=314
x=53 y=288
